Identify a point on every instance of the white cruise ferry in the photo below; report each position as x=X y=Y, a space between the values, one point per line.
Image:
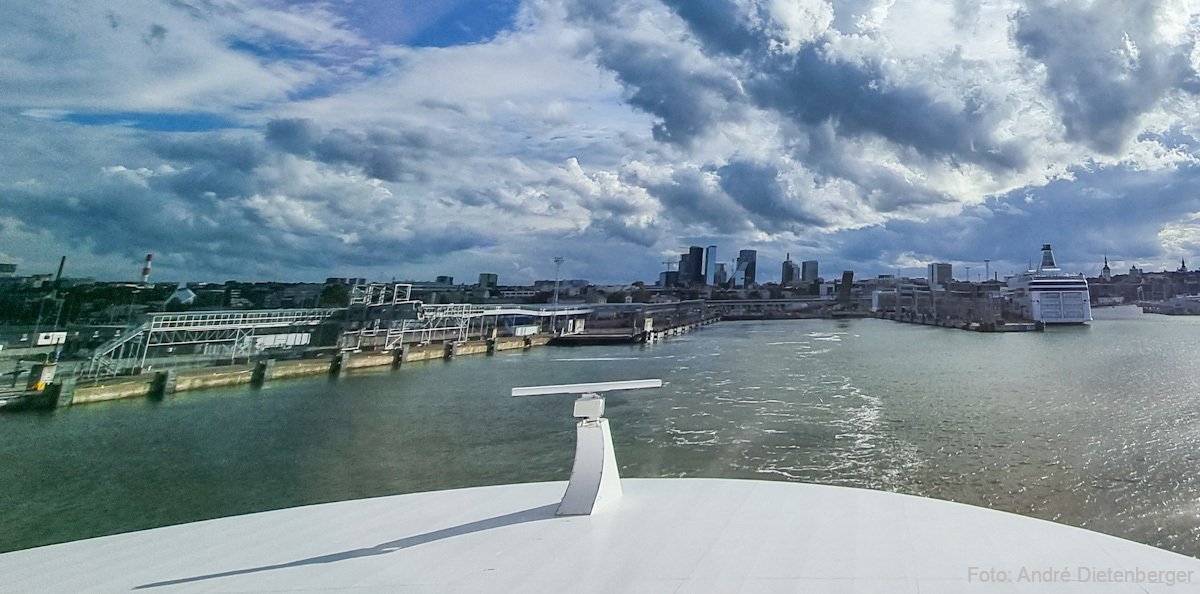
x=1049 y=295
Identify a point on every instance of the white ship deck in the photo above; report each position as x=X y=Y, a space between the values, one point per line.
x=664 y=535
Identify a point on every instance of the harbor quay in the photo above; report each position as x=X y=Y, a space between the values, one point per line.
x=199 y=350
x=385 y=327
x=69 y=390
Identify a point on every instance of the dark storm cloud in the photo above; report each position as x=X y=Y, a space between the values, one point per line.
x=689 y=199
x=219 y=233
x=1113 y=211
x=687 y=101
x=809 y=87
x=382 y=154
x=216 y=203
x=1104 y=67
x=758 y=189
x=224 y=151
x=718 y=23
x=884 y=190
x=294 y=135
x=812 y=89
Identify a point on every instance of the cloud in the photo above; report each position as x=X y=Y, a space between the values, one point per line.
x=299 y=140
x=1106 y=64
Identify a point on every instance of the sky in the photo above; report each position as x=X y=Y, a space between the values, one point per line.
x=294 y=141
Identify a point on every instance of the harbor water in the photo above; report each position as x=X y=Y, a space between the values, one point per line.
x=1095 y=426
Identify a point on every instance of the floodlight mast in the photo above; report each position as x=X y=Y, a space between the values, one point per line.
x=595 y=479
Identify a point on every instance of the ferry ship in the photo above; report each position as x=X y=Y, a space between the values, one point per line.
x=1049 y=295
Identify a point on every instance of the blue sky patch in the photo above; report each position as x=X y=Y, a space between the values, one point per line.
x=419 y=23
x=158 y=122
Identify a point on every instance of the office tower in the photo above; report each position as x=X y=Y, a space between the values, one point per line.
x=940 y=273
x=790 y=273
x=808 y=271
x=710 y=265
x=695 y=273
x=746 y=265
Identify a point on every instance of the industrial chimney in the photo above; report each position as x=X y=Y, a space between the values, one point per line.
x=146 y=270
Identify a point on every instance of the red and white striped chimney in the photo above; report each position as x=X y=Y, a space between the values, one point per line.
x=146 y=270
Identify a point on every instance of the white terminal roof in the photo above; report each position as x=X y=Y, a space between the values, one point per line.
x=664 y=535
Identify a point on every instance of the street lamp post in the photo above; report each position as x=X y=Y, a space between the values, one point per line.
x=558 y=260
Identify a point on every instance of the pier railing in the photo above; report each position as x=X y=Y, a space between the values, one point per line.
x=128 y=352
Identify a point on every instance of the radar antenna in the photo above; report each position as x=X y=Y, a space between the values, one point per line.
x=595 y=480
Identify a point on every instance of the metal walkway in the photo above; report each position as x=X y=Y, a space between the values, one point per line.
x=451 y=321
x=128 y=352
x=382 y=315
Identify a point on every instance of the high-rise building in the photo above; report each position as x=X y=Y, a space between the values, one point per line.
x=488 y=280
x=696 y=271
x=808 y=271
x=790 y=273
x=744 y=276
x=8 y=270
x=940 y=273
x=685 y=269
x=720 y=276
x=710 y=265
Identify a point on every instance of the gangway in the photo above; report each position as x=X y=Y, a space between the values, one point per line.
x=454 y=321
x=128 y=352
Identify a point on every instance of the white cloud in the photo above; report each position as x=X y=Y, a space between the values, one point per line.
x=1182 y=236
x=587 y=124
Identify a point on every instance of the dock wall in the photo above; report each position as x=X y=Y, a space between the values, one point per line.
x=909 y=318
x=424 y=352
x=163 y=383
x=509 y=343
x=469 y=347
x=663 y=334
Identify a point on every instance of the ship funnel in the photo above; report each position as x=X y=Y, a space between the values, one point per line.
x=1047 y=258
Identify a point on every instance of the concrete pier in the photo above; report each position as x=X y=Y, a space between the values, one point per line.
x=660 y=334
x=975 y=326
x=298 y=368
x=509 y=343
x=469 y=347
x=113 y=389
x=423 y=352
x=65 y=391
x=364 y=360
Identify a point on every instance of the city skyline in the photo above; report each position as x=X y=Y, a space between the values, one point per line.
x=294 y=141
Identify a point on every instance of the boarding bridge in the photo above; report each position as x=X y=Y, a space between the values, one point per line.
x=451 y=322
x=380 y=315
x=127 y=353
